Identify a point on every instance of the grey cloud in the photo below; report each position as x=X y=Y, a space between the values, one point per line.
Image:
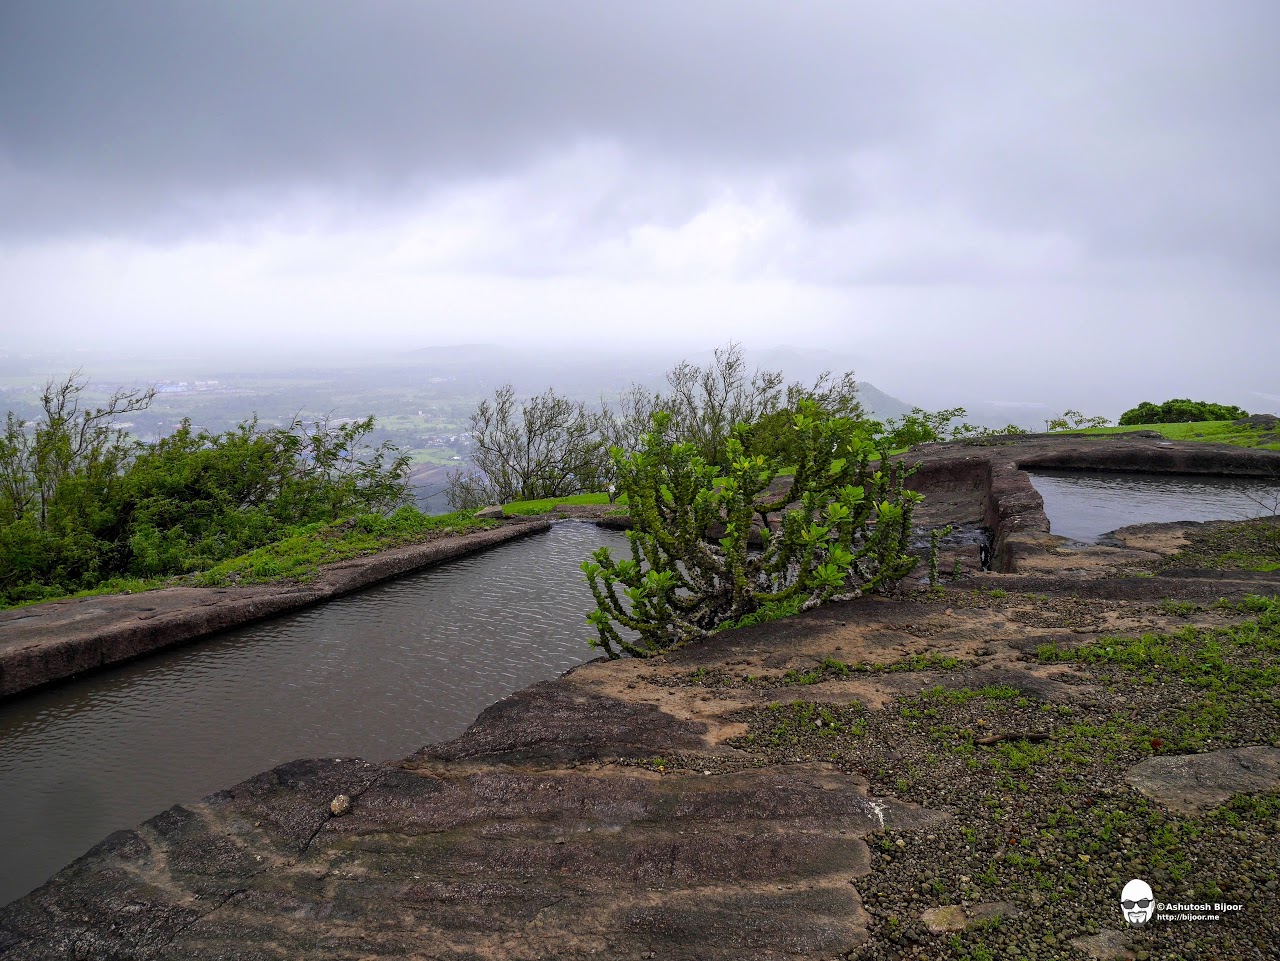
x=223 y=96
x=1139 y=130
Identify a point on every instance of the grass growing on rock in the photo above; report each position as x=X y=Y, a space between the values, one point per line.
x=1252 y=545
x=1214 y=431
x=547 y=505
x=300 y=556
x=1042 y=815
x=829 y=668
x=116 y=585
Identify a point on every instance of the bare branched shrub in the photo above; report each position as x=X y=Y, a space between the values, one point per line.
x=548 y=446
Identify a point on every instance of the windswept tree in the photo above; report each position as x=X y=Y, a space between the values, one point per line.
x=553 y=447
x=548 y=446
x=774 y=433
x=705 y=404
x=1074 y=420
x=70 y=439
x=624 y=424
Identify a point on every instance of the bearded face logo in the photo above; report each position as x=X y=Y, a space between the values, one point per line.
x=1137 y=902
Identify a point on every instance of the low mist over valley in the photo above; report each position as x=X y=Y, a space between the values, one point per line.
x=422 y=397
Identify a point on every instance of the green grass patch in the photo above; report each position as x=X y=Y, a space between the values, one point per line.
x=300 y=556
x=1233 y=669
x=117 y=585
x=830 y=667
x=1238 y=659
x=790 y=725
x=530 y=508
x=1262 y=810
x=1214 y=431
x=1252 y=545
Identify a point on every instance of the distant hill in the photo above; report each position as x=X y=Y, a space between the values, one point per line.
x=880 y=405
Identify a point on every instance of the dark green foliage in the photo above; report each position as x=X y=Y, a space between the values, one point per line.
x=923 y=427
x=58 y=478
x=82 y=504
x=930 y=427
x=773 y=434
x=1252 y=545
x=195 y=498
x=1180 y=410
x=847 y=534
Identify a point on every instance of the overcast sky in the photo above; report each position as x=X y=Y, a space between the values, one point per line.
x=980 y=201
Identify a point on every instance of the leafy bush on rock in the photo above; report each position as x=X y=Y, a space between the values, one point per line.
x=839 y=529
x=1180 y=410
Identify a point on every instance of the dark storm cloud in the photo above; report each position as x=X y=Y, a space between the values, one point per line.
x=146 y=101
x=1147 y=127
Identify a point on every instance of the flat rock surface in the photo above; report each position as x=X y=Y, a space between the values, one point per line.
x=1194 y=783
x=478 y=849
x=1107 y=945
x=955 y=917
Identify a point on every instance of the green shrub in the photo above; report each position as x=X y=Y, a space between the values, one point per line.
x=82 y=503
x=847 y=535
x=1180 y=411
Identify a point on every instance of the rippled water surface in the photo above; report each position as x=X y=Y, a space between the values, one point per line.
x=1084 y=506
x=374 y=675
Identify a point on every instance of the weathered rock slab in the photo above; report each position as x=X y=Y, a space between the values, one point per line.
x=955 y=917
x=555 y=723
x=497 y=863
x=1106 y=946
x=1196 y=783
x=535 y=835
